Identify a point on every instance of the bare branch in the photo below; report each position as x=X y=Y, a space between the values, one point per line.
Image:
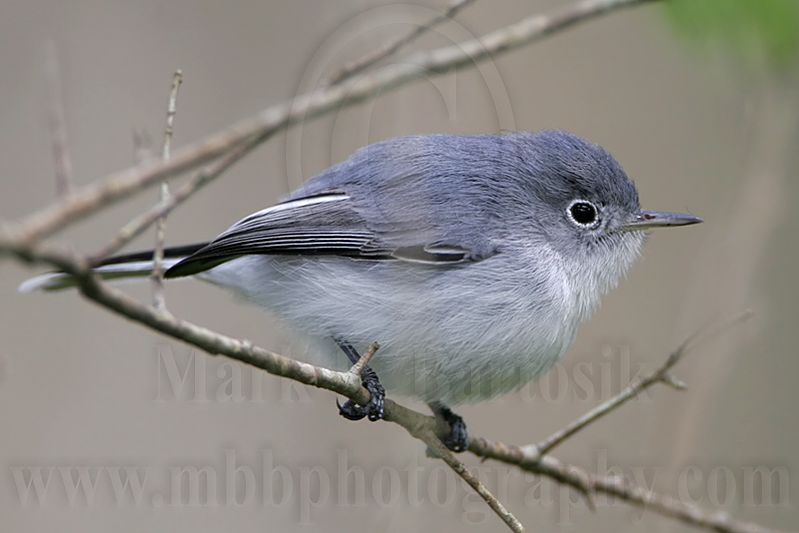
x=171 y=111
x=430 y=438
x=138 y=225
x=392 y=47
x=661 y=375
x=57 y=123
x=361 y=363
x=157 y=275
x=264 y=124
x=527 y=458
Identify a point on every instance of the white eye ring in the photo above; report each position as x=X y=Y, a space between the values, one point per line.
x=583 y=213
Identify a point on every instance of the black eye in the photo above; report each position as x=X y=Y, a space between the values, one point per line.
x=583 y=213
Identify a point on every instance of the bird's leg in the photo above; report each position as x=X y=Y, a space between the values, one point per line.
x=374 y=409
x=458 y=438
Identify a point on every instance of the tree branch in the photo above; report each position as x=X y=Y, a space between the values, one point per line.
x=361 y=363
x=430 y=438
x=392 y=47
x=661 y=375
x=139 y=224
x=264 y=124
x=528 y=459
x=157 y=275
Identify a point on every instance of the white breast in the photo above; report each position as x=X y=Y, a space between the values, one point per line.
x=449 y=334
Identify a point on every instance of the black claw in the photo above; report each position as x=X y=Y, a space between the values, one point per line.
x=458 y=438
x=377 y=400
x=350 y=410
x=374 y=409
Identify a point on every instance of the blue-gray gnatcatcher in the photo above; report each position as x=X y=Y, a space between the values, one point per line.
x=470 y=259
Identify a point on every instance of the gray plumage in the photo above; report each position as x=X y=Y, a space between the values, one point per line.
x=462 y=255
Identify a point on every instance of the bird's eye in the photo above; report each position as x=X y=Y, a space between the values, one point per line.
x=583 y=213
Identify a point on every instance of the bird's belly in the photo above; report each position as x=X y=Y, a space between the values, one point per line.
x=436 y=370
x=456 y=340
x=464 y=376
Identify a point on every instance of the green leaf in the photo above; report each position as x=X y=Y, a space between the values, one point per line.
x=753 y=29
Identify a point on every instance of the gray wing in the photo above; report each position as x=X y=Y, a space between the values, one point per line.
x=321 y=224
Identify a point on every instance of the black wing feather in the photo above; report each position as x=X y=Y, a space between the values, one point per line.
x=320 y=225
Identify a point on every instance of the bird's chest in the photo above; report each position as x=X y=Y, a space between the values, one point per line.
x=480 y=344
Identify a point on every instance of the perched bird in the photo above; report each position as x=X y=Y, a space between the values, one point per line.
x=472 y=260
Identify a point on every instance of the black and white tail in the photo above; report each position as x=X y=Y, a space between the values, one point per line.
x=120 y=267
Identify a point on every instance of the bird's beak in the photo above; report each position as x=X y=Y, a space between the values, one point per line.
x=644 y=220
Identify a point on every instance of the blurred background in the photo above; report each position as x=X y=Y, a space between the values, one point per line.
x=108 y=426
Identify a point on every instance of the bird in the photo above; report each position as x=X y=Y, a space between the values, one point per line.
x=471 y=259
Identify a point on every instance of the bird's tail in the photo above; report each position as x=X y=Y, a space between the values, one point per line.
x=120 y=267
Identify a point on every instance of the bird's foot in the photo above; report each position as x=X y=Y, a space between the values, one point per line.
x=374 y=408
x=458 y=438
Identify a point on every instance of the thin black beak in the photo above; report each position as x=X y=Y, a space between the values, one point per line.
x=644 y=220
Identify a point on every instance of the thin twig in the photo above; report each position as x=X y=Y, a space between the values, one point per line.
x=528 y=459
x=120 y=185
x=361 y=363
x=139 y=224
x=392 y=47
x=432 y=440
x=171 y=111
x=57 y=123
x=157 y=275
x=661 y=375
